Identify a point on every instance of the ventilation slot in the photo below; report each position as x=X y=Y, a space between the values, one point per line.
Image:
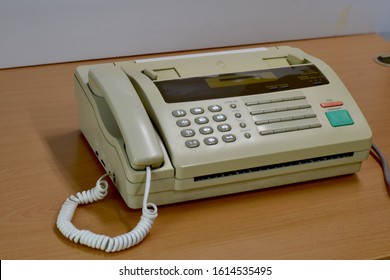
x=273 y=166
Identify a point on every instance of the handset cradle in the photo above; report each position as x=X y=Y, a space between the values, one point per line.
x=142 y=145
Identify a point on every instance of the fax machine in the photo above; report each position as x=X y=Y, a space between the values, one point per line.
x=211 y=124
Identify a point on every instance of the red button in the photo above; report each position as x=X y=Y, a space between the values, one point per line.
x=332 y=104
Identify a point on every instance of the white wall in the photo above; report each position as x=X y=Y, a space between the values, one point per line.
x=46 y=31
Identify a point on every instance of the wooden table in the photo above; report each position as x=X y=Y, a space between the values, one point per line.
x=45 y=158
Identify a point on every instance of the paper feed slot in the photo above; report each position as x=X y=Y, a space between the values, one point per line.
x=274 y=166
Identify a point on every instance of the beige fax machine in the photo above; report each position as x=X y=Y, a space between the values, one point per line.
x=218 y=123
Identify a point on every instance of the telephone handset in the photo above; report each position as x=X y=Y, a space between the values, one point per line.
x=142 y=146
x=143 y=151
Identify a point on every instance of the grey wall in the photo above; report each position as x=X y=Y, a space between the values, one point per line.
x=47 y=31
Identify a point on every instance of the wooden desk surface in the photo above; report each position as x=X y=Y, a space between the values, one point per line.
x=44 y=159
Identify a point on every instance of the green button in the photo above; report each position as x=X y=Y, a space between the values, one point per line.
x=339 y=118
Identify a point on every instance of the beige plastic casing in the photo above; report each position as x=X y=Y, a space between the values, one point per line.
x=234 y=166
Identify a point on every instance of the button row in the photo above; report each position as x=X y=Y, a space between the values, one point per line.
x=201 y=120
x=275 y=100
x=289 y=129
x=291 y=118
x=209 y=141
x=189 y=132
x=282 y=109
x=196 y=111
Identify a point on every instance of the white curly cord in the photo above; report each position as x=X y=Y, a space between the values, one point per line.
x=103 y=242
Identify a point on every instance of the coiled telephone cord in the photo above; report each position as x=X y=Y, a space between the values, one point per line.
x=99 y=241
x=384 y=164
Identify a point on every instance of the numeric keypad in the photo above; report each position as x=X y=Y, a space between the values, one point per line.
x=198 y=121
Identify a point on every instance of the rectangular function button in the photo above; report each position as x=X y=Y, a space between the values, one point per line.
x=266 y=132
x=331 y=104
x=339 y=118
x=252 y=103
x=289 y=129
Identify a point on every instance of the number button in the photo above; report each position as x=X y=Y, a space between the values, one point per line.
x=197 y=111
x=183 y=122
x=201 y=120
x=210 y=140
x=215 y=108
x=224 y=127
x=179 y=113
x=228 y=138
x=206 y=130
x=192 y=143
x=187 y=132
x=219 y=118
